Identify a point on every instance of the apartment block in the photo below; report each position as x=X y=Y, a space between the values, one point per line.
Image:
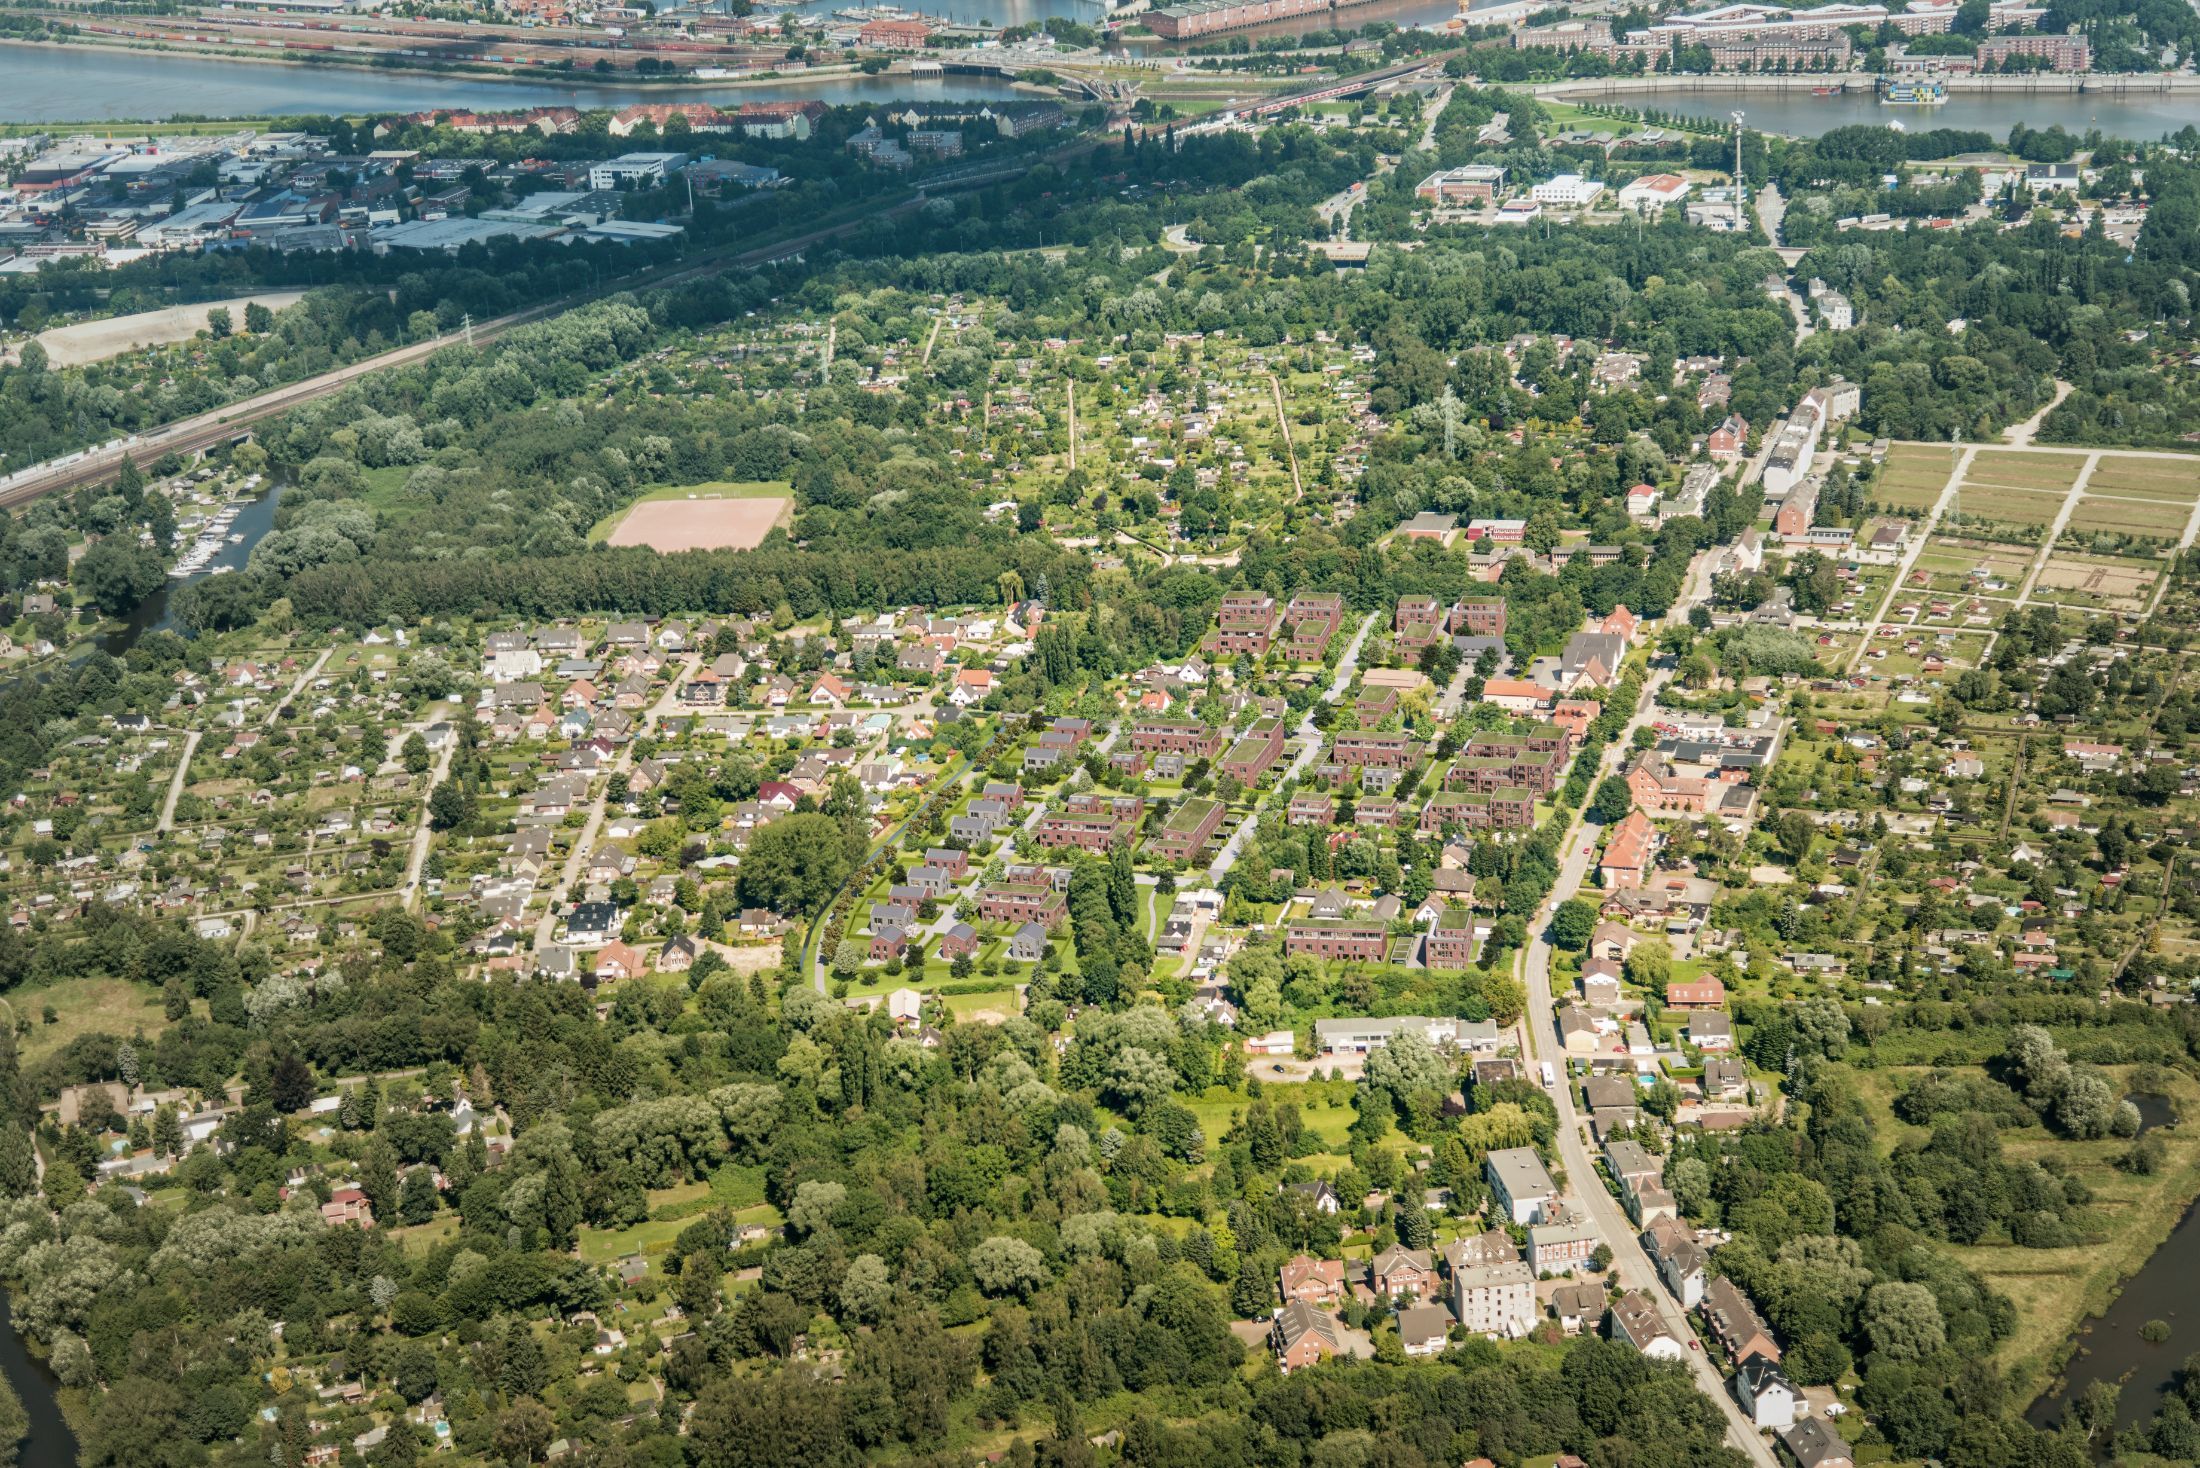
x=1022 y=903
x=1360 y=941
x=1259 y=748
x=1188 y=830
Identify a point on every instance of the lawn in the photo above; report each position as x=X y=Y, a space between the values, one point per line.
x=1913 y=476
x=83 y=1007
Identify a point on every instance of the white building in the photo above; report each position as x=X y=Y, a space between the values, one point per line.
x=1519 y=1185
x=1652 y=192
x=1835 y=307
x=635 y=170
x=1567 y=191
x=1496 y=1299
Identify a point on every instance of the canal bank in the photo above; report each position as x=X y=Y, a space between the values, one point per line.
x=2107 y=1344
x=49 y=1441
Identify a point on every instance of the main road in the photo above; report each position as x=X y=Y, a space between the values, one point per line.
x=1629 y=1260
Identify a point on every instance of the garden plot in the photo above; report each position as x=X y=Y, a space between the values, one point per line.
x=1955 y=565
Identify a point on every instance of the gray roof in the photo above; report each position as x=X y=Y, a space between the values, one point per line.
x=1520 y=1172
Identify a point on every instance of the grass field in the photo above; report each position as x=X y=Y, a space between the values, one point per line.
x=2146 y=479
x=2055 y=1289
x=2131 y=517
x=1913 y=476
x=83 y=1007
x=2025 y=471
x=2007 y=506
x=607 y=528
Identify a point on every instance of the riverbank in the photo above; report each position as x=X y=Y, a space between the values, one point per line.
x=2043 y=84
x=44 y=84
x=2067 y=1298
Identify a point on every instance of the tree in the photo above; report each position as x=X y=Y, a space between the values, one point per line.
x=258 y=319
x=866 y=1290
x=219 y=323
x=450 y=806
x=415 y=754
x=1612 y=802
x=524 y=1430
x=115 y=575
x=1573 y=924
x=783 y=1419
x=1003 y=1265
x=1403 y=1065
x=795 y=864
x=1902 y=1321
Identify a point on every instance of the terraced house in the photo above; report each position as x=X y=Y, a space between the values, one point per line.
x=1344 y=939
x=1091 y=822
x=1256 y=750
x=1187 y=737
x=1022 y=903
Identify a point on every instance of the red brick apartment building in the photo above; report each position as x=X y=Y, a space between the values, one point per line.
x=1418 y=621
x=1362 y=751
x=1247 y=623
x=1092 y=822
x=1347 y=940
x=1507 y=809
x=1188 y=830
x=1658 y=787
x=1451 y=942
x=1478 y=616
x=1022 y=903
x=1259 y=748
x=1187 y=737
x=1312 y=620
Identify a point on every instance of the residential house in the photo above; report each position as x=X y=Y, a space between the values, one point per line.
x=1519 y=1184
x=1496 y=1299
x=1302 y=1336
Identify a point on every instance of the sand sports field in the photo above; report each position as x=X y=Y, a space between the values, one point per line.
x=96 y=341
x=706 y=522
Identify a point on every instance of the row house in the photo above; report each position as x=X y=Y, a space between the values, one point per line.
x=1258 y=749
x=1359 y=941
x=1379 y=812
x=1310 y=809
x=1365 y=750
x=1022 y=903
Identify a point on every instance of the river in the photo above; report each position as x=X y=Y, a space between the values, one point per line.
x=50 y=1444
x=49 y=84
x=154 y=614
x=2141 y=117
x=2166 y=1288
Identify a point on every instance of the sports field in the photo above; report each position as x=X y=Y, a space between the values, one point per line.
x=721 y=516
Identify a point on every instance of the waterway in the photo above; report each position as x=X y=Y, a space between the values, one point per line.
x=2166 y=1288
x=49 y=84
x=49 y=1444
x=2142 y=117
x=156 y=614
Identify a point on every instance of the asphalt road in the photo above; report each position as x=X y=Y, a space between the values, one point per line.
x=1629 y=1260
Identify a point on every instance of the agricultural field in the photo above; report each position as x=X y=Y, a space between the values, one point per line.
x=2012 y=470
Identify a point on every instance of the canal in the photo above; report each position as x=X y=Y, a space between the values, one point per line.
x=156 y=614
x=49 y=1442
x=2166 y=1288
